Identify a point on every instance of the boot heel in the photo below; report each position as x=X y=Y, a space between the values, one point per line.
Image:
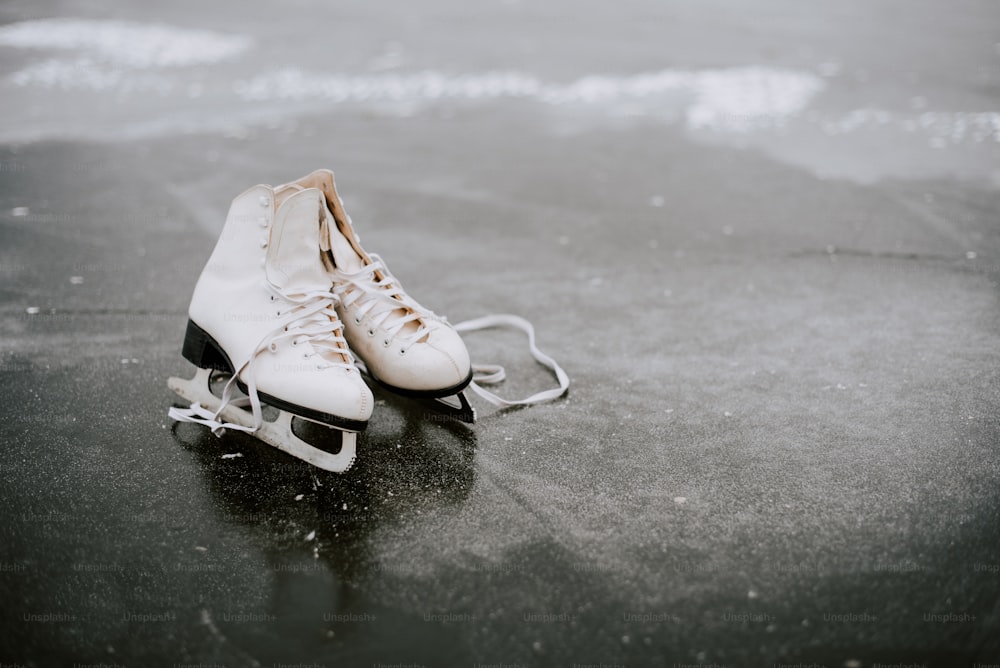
x=202 y=351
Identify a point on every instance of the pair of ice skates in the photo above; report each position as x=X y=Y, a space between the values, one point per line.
x=293 y=310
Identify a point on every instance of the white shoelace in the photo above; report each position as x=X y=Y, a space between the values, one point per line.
x=387 y=304
x=316 y=323
x=491 y=374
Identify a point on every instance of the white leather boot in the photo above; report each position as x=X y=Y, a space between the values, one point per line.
x=263 y=311
x=403 y=346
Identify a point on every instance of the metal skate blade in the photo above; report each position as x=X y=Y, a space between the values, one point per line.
x=456 y=406
x=277 y=433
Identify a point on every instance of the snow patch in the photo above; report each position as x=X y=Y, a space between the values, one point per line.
x=113 y=55
x=943 y=127
x=736 y=100
x=126 y=44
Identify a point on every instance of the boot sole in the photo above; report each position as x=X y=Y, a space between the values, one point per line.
x=423 y=394
x=205 y=353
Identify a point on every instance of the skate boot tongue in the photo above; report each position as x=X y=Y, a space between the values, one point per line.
x=293 y=258
x=294 y=266
x=345 y=257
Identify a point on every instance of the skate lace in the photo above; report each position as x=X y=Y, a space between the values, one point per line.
x=491 y=374
x=383 y=301
x=316 y=323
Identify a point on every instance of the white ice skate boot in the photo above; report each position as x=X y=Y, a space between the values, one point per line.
x=402 y=346
x=262 y=311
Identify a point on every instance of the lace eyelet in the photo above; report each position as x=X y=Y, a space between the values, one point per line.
x=385 y=344
x=357 y=321
x=402 y=351
x=371 y=332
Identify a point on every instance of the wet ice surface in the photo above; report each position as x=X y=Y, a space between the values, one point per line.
x=780 y=444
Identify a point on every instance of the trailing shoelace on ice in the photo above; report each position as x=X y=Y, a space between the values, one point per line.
x=490 y=374
x=317 y=323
